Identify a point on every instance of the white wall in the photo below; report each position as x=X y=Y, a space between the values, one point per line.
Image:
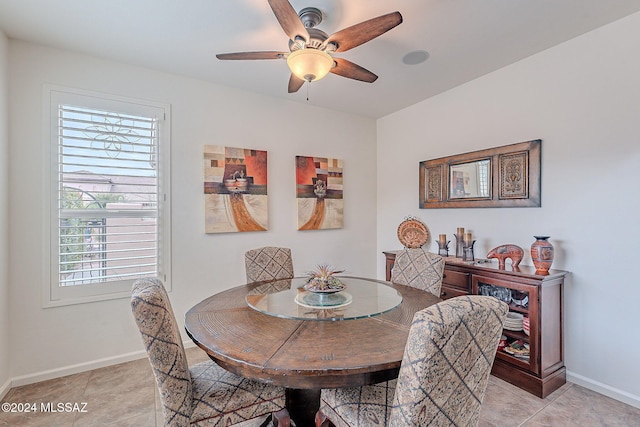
x=582 y=98
x=57 y=338
x=4 y=211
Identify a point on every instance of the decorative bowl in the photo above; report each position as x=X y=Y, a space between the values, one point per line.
x=322 y=287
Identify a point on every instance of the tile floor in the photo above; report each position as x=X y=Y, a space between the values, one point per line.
x=125 y=395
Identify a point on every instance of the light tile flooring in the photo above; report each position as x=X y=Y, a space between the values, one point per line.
x=125 y=395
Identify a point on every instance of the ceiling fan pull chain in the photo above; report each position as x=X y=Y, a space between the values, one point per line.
x=308 y=84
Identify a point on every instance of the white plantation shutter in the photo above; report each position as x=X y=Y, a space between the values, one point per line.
x=108 y=198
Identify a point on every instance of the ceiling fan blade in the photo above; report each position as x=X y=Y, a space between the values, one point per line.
x=363 y=32
x=289 y=19
x=350 y=70
x=295 y=83
x=252 y=55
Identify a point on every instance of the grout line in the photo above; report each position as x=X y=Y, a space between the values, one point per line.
x=84 y=399
x=551 y=402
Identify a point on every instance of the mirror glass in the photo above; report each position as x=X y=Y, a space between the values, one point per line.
x=470 y=180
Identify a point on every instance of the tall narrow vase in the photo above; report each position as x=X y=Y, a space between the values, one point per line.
x=542 y=254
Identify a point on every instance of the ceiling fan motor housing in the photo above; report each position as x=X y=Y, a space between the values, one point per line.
x=316 y=39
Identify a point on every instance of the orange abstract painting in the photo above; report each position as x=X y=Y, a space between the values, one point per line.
x=235 y=188
x=319 y=193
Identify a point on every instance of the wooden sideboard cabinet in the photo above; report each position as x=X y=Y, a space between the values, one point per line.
x=543 y=371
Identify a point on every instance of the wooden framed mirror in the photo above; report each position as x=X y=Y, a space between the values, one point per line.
x=507 y=176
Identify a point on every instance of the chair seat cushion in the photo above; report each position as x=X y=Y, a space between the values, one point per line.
x=359 y=406
x=221 y=398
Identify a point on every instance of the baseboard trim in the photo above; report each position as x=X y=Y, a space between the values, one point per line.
x=604 y=389
x=4 y=389
x=80 y=367
x=76 y=369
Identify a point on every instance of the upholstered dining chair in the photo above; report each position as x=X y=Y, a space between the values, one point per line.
x=444 y=372
x=268 y=263
x=419 y=269
x=205 y=394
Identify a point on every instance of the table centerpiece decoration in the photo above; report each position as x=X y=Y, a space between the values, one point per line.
x=323 y=280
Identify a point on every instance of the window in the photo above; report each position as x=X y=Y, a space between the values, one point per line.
x=109 y=217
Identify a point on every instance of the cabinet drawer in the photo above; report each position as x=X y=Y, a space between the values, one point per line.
x=447 y=292
x=456 y=279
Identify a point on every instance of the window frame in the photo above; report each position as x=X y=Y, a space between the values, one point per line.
x=54 y=295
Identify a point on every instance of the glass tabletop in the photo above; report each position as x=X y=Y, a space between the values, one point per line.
x=288 y=299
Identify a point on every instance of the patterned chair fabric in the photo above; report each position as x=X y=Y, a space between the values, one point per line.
x=444 y=373
x=271 y=287
x=268 y=263
x=419 y=269
x=205 y=394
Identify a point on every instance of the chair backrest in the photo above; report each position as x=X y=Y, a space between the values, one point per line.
x=419 y=269
x=268 y=263
x=447 y=360
x=159 y=329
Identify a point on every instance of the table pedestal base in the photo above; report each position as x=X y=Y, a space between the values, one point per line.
x=302 y=405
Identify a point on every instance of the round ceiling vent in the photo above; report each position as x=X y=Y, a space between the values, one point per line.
x=416 y=57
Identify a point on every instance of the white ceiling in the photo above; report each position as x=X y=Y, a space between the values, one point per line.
x=465 y=39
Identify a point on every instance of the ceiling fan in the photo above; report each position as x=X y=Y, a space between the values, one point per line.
x=311 y=49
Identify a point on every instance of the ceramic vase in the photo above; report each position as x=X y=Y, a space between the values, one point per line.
x=542 y=254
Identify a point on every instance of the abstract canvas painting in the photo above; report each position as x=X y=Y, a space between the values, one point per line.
x=235 y=188
x=319 y=193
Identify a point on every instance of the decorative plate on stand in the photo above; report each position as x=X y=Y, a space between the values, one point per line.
x=413 y=233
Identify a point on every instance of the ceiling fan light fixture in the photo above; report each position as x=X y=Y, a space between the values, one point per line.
x=310 y=64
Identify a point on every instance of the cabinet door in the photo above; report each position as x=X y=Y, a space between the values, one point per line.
x=522 y=300
x=456 y=279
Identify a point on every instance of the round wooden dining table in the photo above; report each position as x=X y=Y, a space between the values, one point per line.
x=276 y=333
